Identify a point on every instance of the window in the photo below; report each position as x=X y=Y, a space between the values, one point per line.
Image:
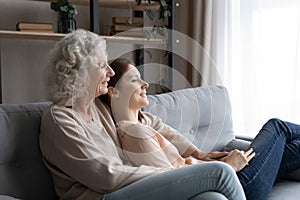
x=262 y=69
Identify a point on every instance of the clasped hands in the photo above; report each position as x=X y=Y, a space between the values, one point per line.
x=237 y=159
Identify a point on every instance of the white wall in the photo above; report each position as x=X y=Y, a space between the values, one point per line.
x=22 y=60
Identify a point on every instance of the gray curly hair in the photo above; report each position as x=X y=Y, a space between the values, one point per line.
x=64 y=64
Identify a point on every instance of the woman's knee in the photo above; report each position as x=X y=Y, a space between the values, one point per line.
x=218 y=168
x=224 y=167
x=273 y=122
x=227 y=179
x=277 y=126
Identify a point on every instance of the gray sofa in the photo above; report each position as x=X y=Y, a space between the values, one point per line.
x=202 y=114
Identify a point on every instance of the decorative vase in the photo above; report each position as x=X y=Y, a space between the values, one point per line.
x=66 y=24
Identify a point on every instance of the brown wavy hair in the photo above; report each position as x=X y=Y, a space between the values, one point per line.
x=120 y=67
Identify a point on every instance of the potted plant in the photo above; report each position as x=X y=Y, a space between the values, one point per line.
x=165 y=7
x=66 y=10
x=159 y=30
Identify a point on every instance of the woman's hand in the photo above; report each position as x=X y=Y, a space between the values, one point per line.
x=238 y=159
x=211 y=156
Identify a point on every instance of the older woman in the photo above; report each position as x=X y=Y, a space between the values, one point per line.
x=79 y=143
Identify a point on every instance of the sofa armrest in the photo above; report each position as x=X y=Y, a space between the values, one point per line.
x=295 y=175
x=240 y=144
x=4 y=197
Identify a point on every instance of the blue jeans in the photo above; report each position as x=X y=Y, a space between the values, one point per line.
x=277 y=148
x=183 y=184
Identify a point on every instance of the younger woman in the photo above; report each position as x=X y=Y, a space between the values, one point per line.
x=141 y=143
x=276 y=146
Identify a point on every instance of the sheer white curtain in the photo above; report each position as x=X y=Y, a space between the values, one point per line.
x=260 y=64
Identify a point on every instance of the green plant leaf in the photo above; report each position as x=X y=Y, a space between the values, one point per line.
x=129 y=20
x=154 y=28
x=166 y=13
x=149 y=53
x=150 y=14
x=138 y=2
x=54 y=6
x=141 y=56
x=169 y=13
x=148 y=34
x=161 y=31
x=163 y=3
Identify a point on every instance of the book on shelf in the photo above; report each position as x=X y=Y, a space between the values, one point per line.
x=127 y=20
x=131 y=33
x=36 y=30
x=127 y=26
x=35 y=27
x=121 y=27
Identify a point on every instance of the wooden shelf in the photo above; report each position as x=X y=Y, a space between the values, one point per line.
x=30 y=35
x=57 y=36
x=125 y=4
x=133 y=40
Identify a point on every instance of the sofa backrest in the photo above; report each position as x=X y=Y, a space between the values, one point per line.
x=202 y=114
x=22 y=172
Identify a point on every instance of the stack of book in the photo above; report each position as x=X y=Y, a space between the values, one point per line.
x=35 y=27
x=127 y=26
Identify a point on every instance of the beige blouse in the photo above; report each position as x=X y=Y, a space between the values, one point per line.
x=142 y=145
x=85 y=158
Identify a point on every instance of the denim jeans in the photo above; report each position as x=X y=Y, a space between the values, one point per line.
x=183 y=184
x=277 y=148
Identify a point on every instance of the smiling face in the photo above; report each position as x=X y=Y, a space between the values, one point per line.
x=100 y=71
x=132 y=89
x=105 y=72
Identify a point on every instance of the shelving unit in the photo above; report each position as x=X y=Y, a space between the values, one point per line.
x=102 y=3
x=94 y=24
x=57 y=36
x=30 y=35
x=126 y=4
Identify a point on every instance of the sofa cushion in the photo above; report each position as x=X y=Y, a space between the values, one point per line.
x=242 y=144
x=287 y=190
x=4 y=197
x=237 y=144
x=202 y=114
x=22 y=172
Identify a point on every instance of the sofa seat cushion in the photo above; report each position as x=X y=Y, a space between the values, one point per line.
x=287 y=190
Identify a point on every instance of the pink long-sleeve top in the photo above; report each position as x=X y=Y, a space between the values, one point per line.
x=143 y=145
